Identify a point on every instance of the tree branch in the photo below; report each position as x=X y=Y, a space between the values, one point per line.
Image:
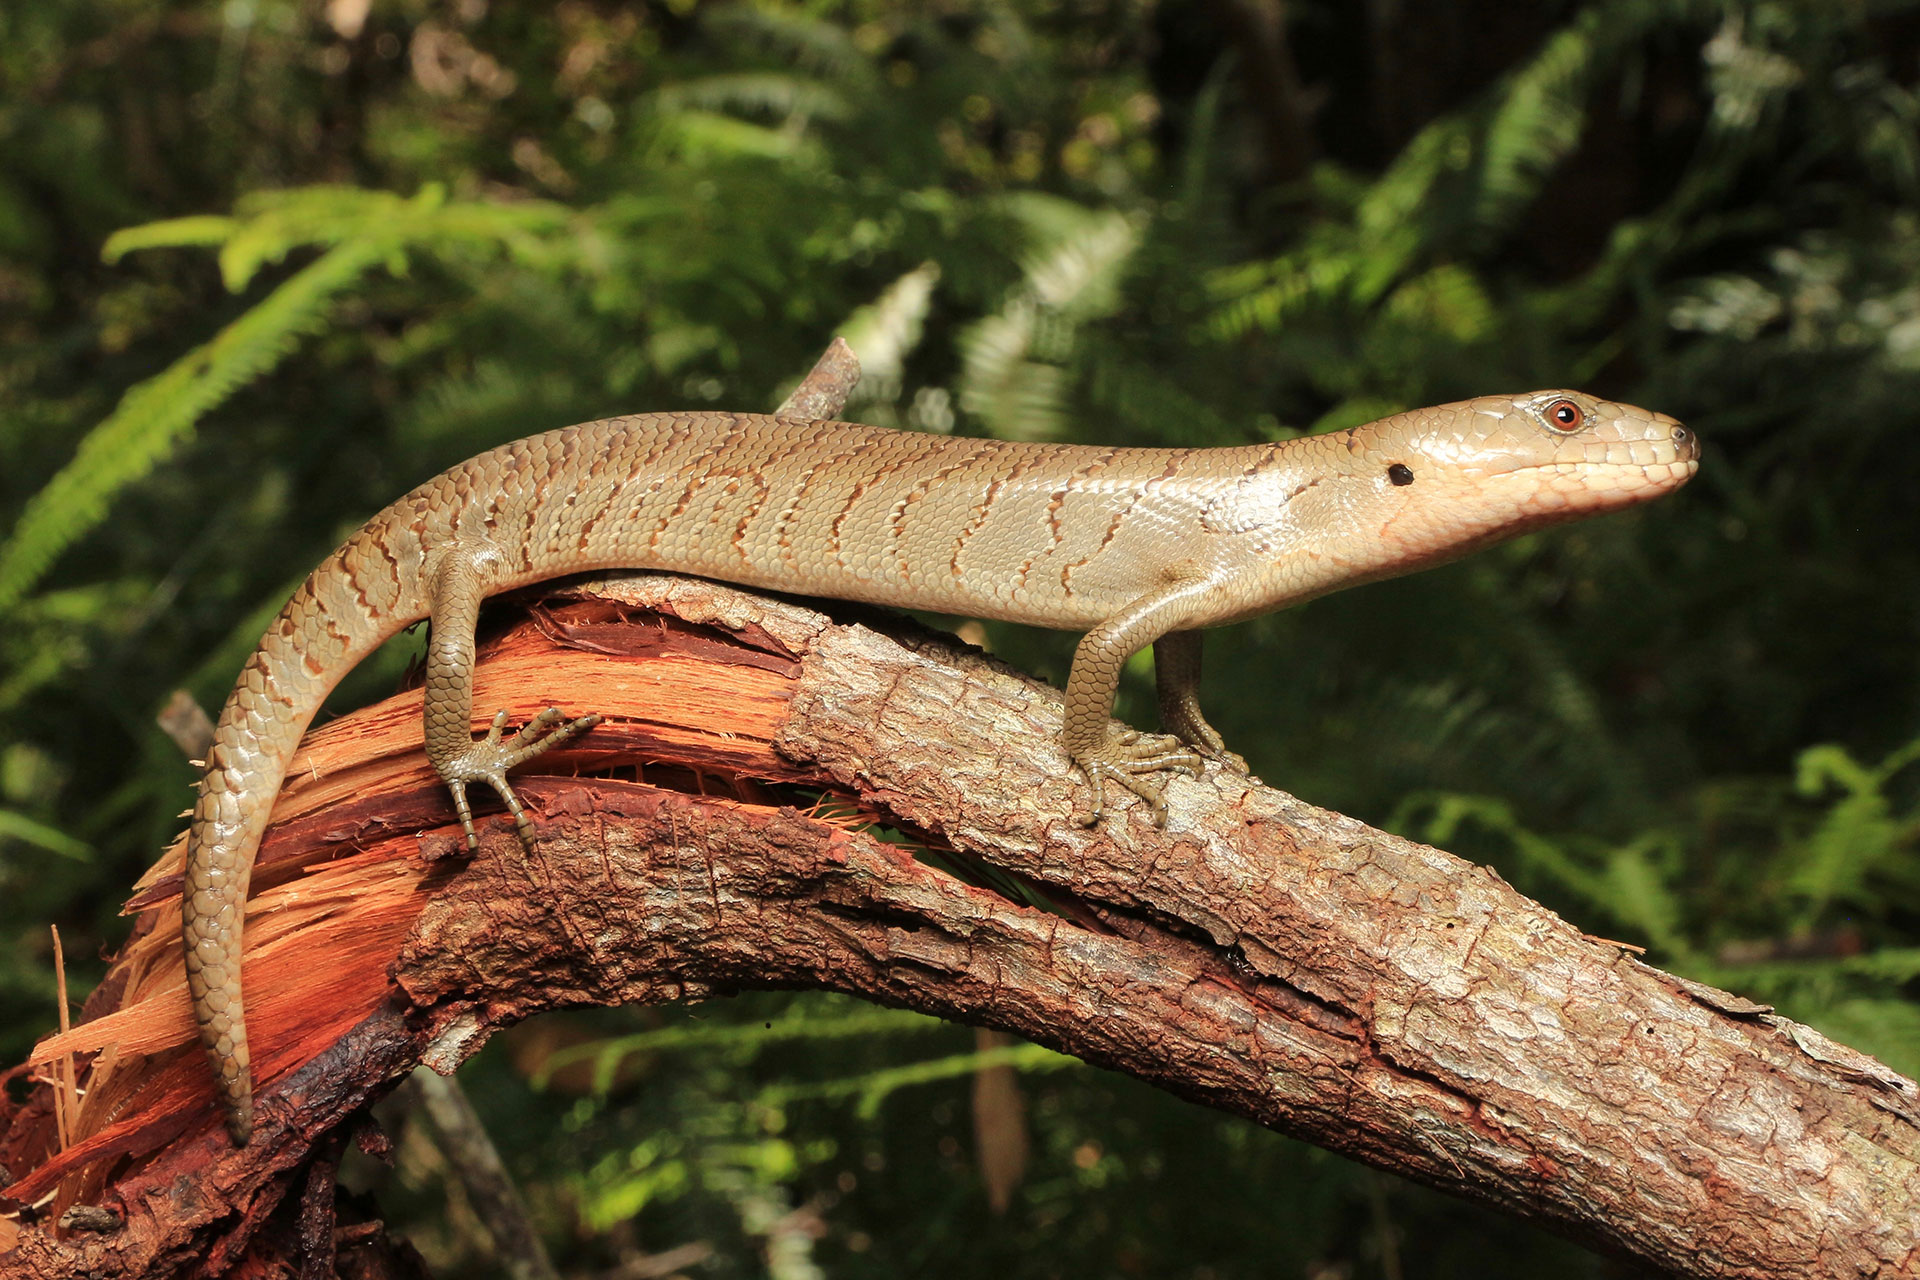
x=1272 y=960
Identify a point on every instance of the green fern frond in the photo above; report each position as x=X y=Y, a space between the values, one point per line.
x=274 y=224
x=824 y=48
x=767 y=93
x=157 y=416
x=1536 y=124
x=706 y=136
x=872 y=1088
x=1017 y=397
x=200 y=231
x=1080 y=276
x=534 y=233
x=1147 y=400
x=268 y=226
x=1012 y=374
x=1506 y=147
x=1639 y=894
x=1746 y=77
x=495 y=399
x=271 y=225
x=1448 y=300
x=18 y=827
x=1448 y=812
x=885 y=331
x=1046 y=220
x=1400 y=195
x=1563 y=691
x=1266 y=295
x=1858 y=835
x=1466 y=175
x=364 y=228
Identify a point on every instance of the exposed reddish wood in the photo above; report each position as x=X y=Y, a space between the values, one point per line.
x=1261 y=956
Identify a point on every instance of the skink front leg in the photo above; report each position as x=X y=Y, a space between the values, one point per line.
x=457 y=589
x=1176 y=675
x=1126 y=756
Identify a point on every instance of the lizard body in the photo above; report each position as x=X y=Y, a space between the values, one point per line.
x=1133 y=546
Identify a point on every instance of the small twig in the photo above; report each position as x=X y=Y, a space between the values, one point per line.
x=187 y=723
x=655 y=1266
x=823 y=392
x=64 y=1084
x=475 y=1161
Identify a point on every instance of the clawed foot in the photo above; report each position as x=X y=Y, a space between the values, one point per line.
x=1217 y=752
x=1129 y=758
x=1187 y=724
x=489 y=759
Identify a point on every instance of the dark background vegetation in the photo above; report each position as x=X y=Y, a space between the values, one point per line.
x=370 y=240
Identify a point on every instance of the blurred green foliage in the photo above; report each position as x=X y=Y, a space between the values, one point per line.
x=265 y=263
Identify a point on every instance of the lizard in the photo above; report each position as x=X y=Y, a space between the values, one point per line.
x=1131 y=546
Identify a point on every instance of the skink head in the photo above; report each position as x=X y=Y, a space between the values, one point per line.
x=1431 y=485
x=1509 y=463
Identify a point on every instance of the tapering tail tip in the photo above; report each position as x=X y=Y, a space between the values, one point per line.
x=223 y=1029
x=240 y=1115
x=234 y=1082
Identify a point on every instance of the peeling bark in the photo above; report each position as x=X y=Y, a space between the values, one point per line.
x=1260 y=956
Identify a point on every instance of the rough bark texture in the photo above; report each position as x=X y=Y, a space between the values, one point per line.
x=1261 y=956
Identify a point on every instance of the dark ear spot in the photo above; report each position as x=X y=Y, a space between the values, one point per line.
x=1400 y=473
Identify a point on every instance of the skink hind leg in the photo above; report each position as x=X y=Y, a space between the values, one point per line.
x=1103 y=751
x=1176 y=673
x=457 y=589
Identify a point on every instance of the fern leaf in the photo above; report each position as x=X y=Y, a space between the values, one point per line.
x=1858 y=834
x=1012 y=375
x=883 y=332
x=705 y=136
x=1536 y=125
x=825 y=48
x=1147 y=399
x=19 y=827
x=174 y=233
x=1492 y=159
x=1447 y=300
x=1080 y=277
x=1019 y=398
x=767 y=93
x=276 y=223
x=155 y=417
x=1267 y=295
x=1638 y=894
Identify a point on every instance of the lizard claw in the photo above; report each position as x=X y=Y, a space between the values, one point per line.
x=1184 y=721
x=488 y=760
x=1130 y=758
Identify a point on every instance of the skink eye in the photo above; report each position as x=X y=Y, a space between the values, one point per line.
x=1565 y=415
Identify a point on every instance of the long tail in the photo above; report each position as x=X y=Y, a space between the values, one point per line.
x=323 y=631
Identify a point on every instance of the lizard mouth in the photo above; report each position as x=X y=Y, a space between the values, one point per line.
x=1566 y=489
x=1616 y=472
